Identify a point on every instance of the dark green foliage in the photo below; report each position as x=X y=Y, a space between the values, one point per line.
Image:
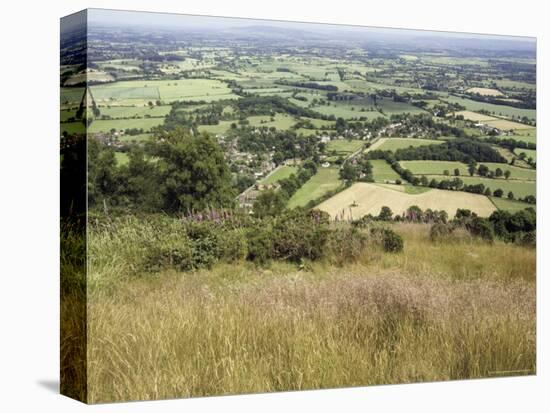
x=527 y=239
x=299 y=234
x=462 y=150
x=385 y=214
x=481 y=228
x=389 y=239
x=193 y=172
x=259 y=244
x=173 y=250
x=510 y=227
x=498 y=193
x=177 y=173
x=270 y=203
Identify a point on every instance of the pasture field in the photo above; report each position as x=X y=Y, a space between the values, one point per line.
x=438 y=167
x=495 y=122
x=325 y=180
x=64 y=115
x=483 y=91
x=142 y=137
x=280 y=121
x=525 y=174
x=165 y=90
x=72 y=127
x=527 y=138
x=370 y=198
x=117 y=112
x=222 y=127
x=518 y=187
x=121 y=124
x=526 y=132
x=310 y=132
x=498 y=110
x=504 y=124
x=529 y=153
x=282 y=172
x=509 y=205
x=474 y=116
x=383 y=172
x=434 y=167
x=392 y=144
x=508 y=84
x=344 y=146
x=71 y=96
x=348 y=111
x=366 y=108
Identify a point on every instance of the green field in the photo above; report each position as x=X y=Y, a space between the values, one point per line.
x=281 y=172
x=64 y=115
x=280 y=121
x=165 y=90
x=222 y=127
x=383 y=172
x=135 y=111
x=72 y=127
x=438 y=167
x=121 y=124
x=366 y=108
x=530 y=153
x=509 y=205
x=499 y=110
x=392 y=144
x=344 y=146
x=519 y=188
x=434 y=167
x=142 y=137
x=527 y=138
x=326 y=179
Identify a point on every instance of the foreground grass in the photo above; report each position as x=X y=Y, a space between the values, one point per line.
x=434 y=312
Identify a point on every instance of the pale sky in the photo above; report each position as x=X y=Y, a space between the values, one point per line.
x=182 y=21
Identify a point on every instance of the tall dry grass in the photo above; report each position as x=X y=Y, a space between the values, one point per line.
x=434 y=312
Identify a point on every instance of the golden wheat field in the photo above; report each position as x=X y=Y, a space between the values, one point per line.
x=364 y=198
x=438 y=311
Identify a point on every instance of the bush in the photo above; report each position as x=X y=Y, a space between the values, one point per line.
x=388 y=238
x=172 y=250
x=527 y=239
x=481 y=228
x=345 y=245
x=440 y=232
x=233 y=245
x=259 y=244
x=299 y=234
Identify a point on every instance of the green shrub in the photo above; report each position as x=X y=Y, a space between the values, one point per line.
x=345 y=245
x=300 y=234
x=259 y=244
x=388 y=239
x=481 y=228
x=233 y=245
x=440 y=232
x=527 y=239
x=171 y=250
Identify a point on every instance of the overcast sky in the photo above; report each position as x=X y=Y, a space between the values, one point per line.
x=182 y=21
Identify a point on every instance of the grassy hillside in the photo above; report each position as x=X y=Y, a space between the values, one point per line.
x=243 y=328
